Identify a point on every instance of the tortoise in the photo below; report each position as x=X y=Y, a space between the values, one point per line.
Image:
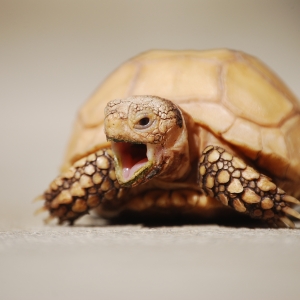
x=184 y=133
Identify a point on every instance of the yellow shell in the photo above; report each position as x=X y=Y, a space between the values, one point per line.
x=230 y=93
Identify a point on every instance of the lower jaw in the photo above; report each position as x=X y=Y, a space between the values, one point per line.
x=140 y=176
x=133 y=175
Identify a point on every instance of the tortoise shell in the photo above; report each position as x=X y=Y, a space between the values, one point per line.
x=230 y=93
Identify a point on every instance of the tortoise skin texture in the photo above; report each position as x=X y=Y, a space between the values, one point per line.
x=229 y=126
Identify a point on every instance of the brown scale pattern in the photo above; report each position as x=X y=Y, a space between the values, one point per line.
x=89 y=182
x=233 y=183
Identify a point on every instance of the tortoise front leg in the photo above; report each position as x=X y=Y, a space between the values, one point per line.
x=88 y=183
x=235 y=184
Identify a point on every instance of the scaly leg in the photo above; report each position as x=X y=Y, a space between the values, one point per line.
x=88 y=183
x=234 y=183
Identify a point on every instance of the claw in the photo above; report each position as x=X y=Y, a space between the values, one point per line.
x=48 y=219
x=290 y=199
x=39 y=198
x=40 y=210
x=292 y=212
x=281 y=224
x=287 y=222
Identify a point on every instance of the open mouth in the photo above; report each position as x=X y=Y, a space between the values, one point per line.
x=132 y=160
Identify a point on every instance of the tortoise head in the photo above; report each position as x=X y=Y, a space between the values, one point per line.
x=149 y=139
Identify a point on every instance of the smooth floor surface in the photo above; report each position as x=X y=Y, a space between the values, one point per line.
x=136 y=262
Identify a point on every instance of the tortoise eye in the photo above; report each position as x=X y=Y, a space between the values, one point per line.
x=143 y=123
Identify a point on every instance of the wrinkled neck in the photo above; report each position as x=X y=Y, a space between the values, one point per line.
x=176 y=155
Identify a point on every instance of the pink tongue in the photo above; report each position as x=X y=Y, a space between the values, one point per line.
x=132 y=157
x=129 y=171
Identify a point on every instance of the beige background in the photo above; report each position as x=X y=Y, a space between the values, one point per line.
x=53 y=54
